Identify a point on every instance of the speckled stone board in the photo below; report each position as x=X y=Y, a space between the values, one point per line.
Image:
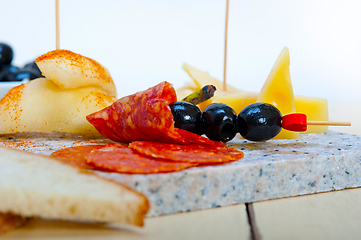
x=274 y=169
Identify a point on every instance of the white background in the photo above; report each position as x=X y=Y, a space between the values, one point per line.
x=144 y=42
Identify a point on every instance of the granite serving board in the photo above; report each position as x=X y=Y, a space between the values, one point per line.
x=269 y=170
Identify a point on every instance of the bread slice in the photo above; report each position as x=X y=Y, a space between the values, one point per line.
x=38 y=186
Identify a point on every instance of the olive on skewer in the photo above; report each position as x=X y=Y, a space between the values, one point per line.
x=187 y=116
x=256 y=122
x=219 y=122
x=259 y=122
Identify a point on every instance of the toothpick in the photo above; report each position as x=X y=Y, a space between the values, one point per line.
x=57 y=24
x=328 y=123
x=225 y=49
x=298 y=122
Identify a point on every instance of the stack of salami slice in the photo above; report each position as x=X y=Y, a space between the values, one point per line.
x=142 y=126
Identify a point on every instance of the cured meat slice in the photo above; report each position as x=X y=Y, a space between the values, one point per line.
x=120 y=158
x=143 y=116
x=76 y=155
x=192 y=153
x=194 y=138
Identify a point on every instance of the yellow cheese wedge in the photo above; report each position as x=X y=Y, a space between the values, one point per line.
x=316 y=109
x=202 y=78
x=237 y=101
x=278 y=91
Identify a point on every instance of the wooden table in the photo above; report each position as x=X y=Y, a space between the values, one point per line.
x=332 y=215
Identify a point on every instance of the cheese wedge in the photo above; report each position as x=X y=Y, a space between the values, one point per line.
x=202 y=78
x=237 y=101
x=316 y=109
x=278 y=91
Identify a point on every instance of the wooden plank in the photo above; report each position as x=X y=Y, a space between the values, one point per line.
x=217 y=223
x=255 y=235
x=333 y=215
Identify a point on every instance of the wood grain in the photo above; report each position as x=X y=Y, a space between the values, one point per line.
x=255 y=234
x=333 y=215
x=218 y=223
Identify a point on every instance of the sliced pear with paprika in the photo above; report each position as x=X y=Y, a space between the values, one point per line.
x=70 y=70
x=41 y=106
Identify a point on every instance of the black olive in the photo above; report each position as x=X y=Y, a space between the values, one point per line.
x=259 y=122
x=219 y=122
x=186 y=116
x=8 y=72
x=27 y=73
x=34 y=67
x=6 y=54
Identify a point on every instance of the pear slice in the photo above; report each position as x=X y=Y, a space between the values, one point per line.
x=70 y=70
x=41 y=106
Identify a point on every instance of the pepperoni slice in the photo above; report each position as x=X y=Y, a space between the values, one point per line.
x=76 y=155
x=193 y=153
x=120 y=158
x=143 y=116
x=194 y=138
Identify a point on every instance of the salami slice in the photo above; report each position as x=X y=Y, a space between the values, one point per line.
x=120 y=158
x=76 y=155
x=192 y=153
x=194 y=138
x=143 y=116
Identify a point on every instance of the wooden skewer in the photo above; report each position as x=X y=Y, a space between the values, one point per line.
x=57 y=24
x=225 y=50
x=298 y=122
x=328 y=123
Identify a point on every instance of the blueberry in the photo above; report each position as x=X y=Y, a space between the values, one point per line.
x=219 y=122
x=259 y=122
x=187 y=116
x=6 y=55
x=7 y=73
